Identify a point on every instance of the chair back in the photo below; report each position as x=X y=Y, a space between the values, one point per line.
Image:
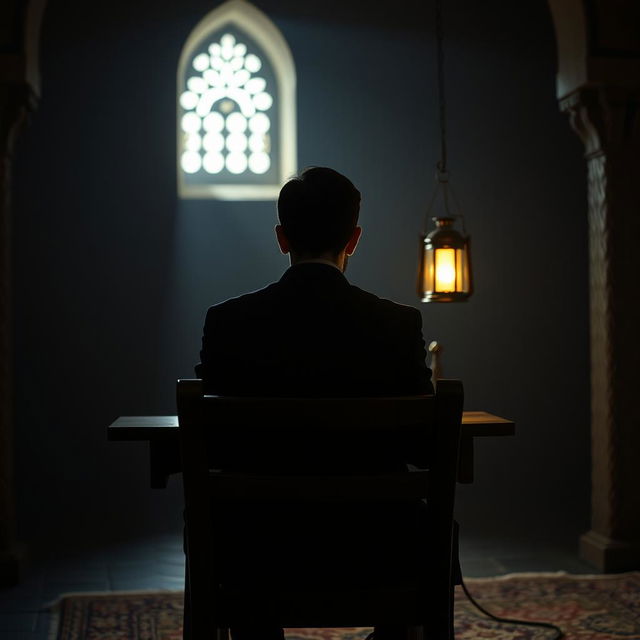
x=423 y=430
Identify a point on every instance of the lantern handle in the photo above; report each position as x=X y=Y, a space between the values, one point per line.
x=442 y=183
x=428 y=211
x=459 y=215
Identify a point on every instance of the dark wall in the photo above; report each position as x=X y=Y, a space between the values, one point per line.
x=113 y=274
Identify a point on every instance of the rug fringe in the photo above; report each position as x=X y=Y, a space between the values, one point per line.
x=55 y=604
x=554 y=574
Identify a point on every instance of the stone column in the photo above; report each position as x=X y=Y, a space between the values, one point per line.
x=607 y=119
x=14 y=104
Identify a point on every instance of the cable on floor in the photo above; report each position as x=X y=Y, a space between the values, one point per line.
x=474 y=602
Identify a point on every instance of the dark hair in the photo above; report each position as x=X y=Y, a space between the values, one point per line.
x=318 y=211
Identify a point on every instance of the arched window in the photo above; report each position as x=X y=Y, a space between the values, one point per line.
x=236 y=107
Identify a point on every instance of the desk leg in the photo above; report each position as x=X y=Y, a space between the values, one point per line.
x=465 y=461
x=164 y=459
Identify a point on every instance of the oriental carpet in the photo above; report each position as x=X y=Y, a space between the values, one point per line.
x=584 y=607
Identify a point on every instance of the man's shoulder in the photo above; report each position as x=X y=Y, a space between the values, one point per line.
x=384 y=305
x=269 y=299
x=241 y=303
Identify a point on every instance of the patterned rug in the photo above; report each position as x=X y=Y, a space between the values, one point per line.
x=584 y=607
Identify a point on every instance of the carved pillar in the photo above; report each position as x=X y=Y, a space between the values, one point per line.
x=14 y=103
x=608 y=121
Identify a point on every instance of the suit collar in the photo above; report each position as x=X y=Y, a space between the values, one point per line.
x=316 y=271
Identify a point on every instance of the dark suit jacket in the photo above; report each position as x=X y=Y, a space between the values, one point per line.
x=314 y=334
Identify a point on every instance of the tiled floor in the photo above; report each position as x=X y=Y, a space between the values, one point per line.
x=158 y=563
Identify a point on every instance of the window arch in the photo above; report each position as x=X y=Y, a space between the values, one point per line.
x=236 y=116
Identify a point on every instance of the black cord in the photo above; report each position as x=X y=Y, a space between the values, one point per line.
x=559 y=631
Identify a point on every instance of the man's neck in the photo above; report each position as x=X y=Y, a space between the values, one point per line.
x=335 y=261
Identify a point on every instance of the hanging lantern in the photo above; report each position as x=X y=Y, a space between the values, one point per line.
x=445 y=265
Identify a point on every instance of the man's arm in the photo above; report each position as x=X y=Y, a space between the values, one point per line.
x=211 y=357
x=422 y=371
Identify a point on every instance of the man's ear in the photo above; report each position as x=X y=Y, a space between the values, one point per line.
x=283 y=243
x=353 y=241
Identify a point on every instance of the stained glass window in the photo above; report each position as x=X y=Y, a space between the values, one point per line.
x=236 y=117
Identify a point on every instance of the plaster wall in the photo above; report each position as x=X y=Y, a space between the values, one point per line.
x=113 y=274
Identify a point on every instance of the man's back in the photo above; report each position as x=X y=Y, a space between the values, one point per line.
x=313 y=334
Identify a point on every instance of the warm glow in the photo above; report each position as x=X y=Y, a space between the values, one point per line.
x=445 y=270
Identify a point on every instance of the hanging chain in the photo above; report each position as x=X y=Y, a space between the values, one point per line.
x=442 y=164
x=442 y=176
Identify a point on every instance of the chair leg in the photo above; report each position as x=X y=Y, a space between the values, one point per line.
x=416 y=633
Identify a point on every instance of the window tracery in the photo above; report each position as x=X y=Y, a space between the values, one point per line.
x=236 y=107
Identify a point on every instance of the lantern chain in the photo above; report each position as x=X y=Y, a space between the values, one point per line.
x=442 y=164
x=442 y=174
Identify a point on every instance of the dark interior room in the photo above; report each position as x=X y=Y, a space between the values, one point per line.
x=110 y=263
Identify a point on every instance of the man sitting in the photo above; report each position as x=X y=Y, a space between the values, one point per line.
x=312 y=333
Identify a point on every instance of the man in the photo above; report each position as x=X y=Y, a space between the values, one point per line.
x=314 y=334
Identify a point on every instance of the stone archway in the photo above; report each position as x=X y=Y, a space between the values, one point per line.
x=19 y=93
x=598 y=86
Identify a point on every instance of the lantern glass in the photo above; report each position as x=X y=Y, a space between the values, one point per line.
x=445 y=268
x=445 y=280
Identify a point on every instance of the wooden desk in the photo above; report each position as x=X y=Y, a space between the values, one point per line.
x=161 y=432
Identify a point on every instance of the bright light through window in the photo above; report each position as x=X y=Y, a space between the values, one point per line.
x=236 y=111
x=225 y=97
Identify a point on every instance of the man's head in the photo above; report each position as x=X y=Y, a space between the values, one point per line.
x=318 y=213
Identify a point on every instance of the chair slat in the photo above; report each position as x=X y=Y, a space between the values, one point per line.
x=342 y=413
x=380 y=487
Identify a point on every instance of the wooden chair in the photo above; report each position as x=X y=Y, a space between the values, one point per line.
x=212 y=423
